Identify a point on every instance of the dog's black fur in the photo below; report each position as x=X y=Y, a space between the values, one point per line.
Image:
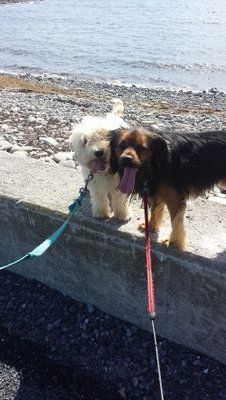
x=173 y=167
x=197 y=161
x=192 y=162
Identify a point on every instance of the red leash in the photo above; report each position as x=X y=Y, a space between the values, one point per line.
x=150 y=283
x=150 y=287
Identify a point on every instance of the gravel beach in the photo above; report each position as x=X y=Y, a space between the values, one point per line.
x=37 y=112
x=14 y=1
x=116 y=358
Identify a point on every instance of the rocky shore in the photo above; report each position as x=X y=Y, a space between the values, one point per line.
x=36 y=116
x=13 y=1
x=37 y=112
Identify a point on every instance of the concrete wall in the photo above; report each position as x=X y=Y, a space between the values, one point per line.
x=103 y=262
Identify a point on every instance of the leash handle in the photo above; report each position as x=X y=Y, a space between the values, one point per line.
x=150 y=282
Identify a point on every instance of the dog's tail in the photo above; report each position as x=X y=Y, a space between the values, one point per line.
x=118 y=107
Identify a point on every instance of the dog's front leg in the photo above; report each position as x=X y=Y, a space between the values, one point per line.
x=157 y=210
x=156 y=215
x=177 y=208
x=120 y=205
x=99 y=201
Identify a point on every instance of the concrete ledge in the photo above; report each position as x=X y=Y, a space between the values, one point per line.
x=102 y=262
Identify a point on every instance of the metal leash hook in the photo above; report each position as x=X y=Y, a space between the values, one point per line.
x=150 y=285
x=88 y=180
x=83 y=191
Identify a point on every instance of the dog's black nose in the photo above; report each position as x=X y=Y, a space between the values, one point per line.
x=99 y=153
x=126 y=160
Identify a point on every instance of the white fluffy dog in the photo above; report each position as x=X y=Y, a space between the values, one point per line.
x=90 y=143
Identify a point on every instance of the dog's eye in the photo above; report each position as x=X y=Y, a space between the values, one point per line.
x=121 y=146
x=140 y=148
x=85 y=140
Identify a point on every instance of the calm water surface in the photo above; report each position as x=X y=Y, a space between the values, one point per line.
x=167 y=43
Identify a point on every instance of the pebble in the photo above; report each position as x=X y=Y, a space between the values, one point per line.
x=5 y=127
x=90 y=308
x=42 y=154
x=48 y=140
x=31 y=119
x=63 y=156
x=17 y=149
x=5 y=145
x=135 y=382
x=67 y=163
x=21 y=153
x=122 y=393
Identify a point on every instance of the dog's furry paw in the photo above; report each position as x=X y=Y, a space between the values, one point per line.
x=165 y=242
x=178 y=245
x=141 y=228
x=123 y=215
x=104 y=214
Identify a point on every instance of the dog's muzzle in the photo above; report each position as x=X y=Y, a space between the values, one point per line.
x=98 y=165
x=128 y=161
x=99 y=153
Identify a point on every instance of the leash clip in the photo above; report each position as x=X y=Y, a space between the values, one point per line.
x=145 y=187
x=84 y=189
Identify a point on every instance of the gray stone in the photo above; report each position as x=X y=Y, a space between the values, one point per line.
x=63 y=156
x=148 y=121
x=48 y=140
x=21 y=153
x=5 y=145
x=30 y=129
x=67 y=163
x=158 y=128
x=5 y=127
x=31 y=119
x=16 y=148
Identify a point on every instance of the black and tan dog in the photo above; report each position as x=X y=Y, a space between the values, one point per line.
x=173 y=167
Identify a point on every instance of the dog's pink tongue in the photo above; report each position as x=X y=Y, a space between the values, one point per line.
x=98 y=166
x=128 y=180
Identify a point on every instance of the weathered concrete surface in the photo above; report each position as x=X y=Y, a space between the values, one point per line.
x=102 y=262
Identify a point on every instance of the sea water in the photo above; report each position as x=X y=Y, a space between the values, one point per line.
x=166 y=43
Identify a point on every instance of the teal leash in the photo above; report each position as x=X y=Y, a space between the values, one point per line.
x=44 y=246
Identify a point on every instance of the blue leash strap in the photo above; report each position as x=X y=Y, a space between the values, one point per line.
x=42 y=247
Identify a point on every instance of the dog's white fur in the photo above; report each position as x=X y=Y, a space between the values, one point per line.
x=88 y=137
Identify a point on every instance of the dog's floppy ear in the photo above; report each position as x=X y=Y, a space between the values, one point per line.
x=114 y=138
x=159 y=152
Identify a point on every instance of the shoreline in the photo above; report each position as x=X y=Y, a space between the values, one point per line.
x=37 y=112
x=2 y=2
x=70 y=80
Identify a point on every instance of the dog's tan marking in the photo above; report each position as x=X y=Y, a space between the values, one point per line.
x=176 y=205
x=156 y=215
x=157 y=209
x=222 y=184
